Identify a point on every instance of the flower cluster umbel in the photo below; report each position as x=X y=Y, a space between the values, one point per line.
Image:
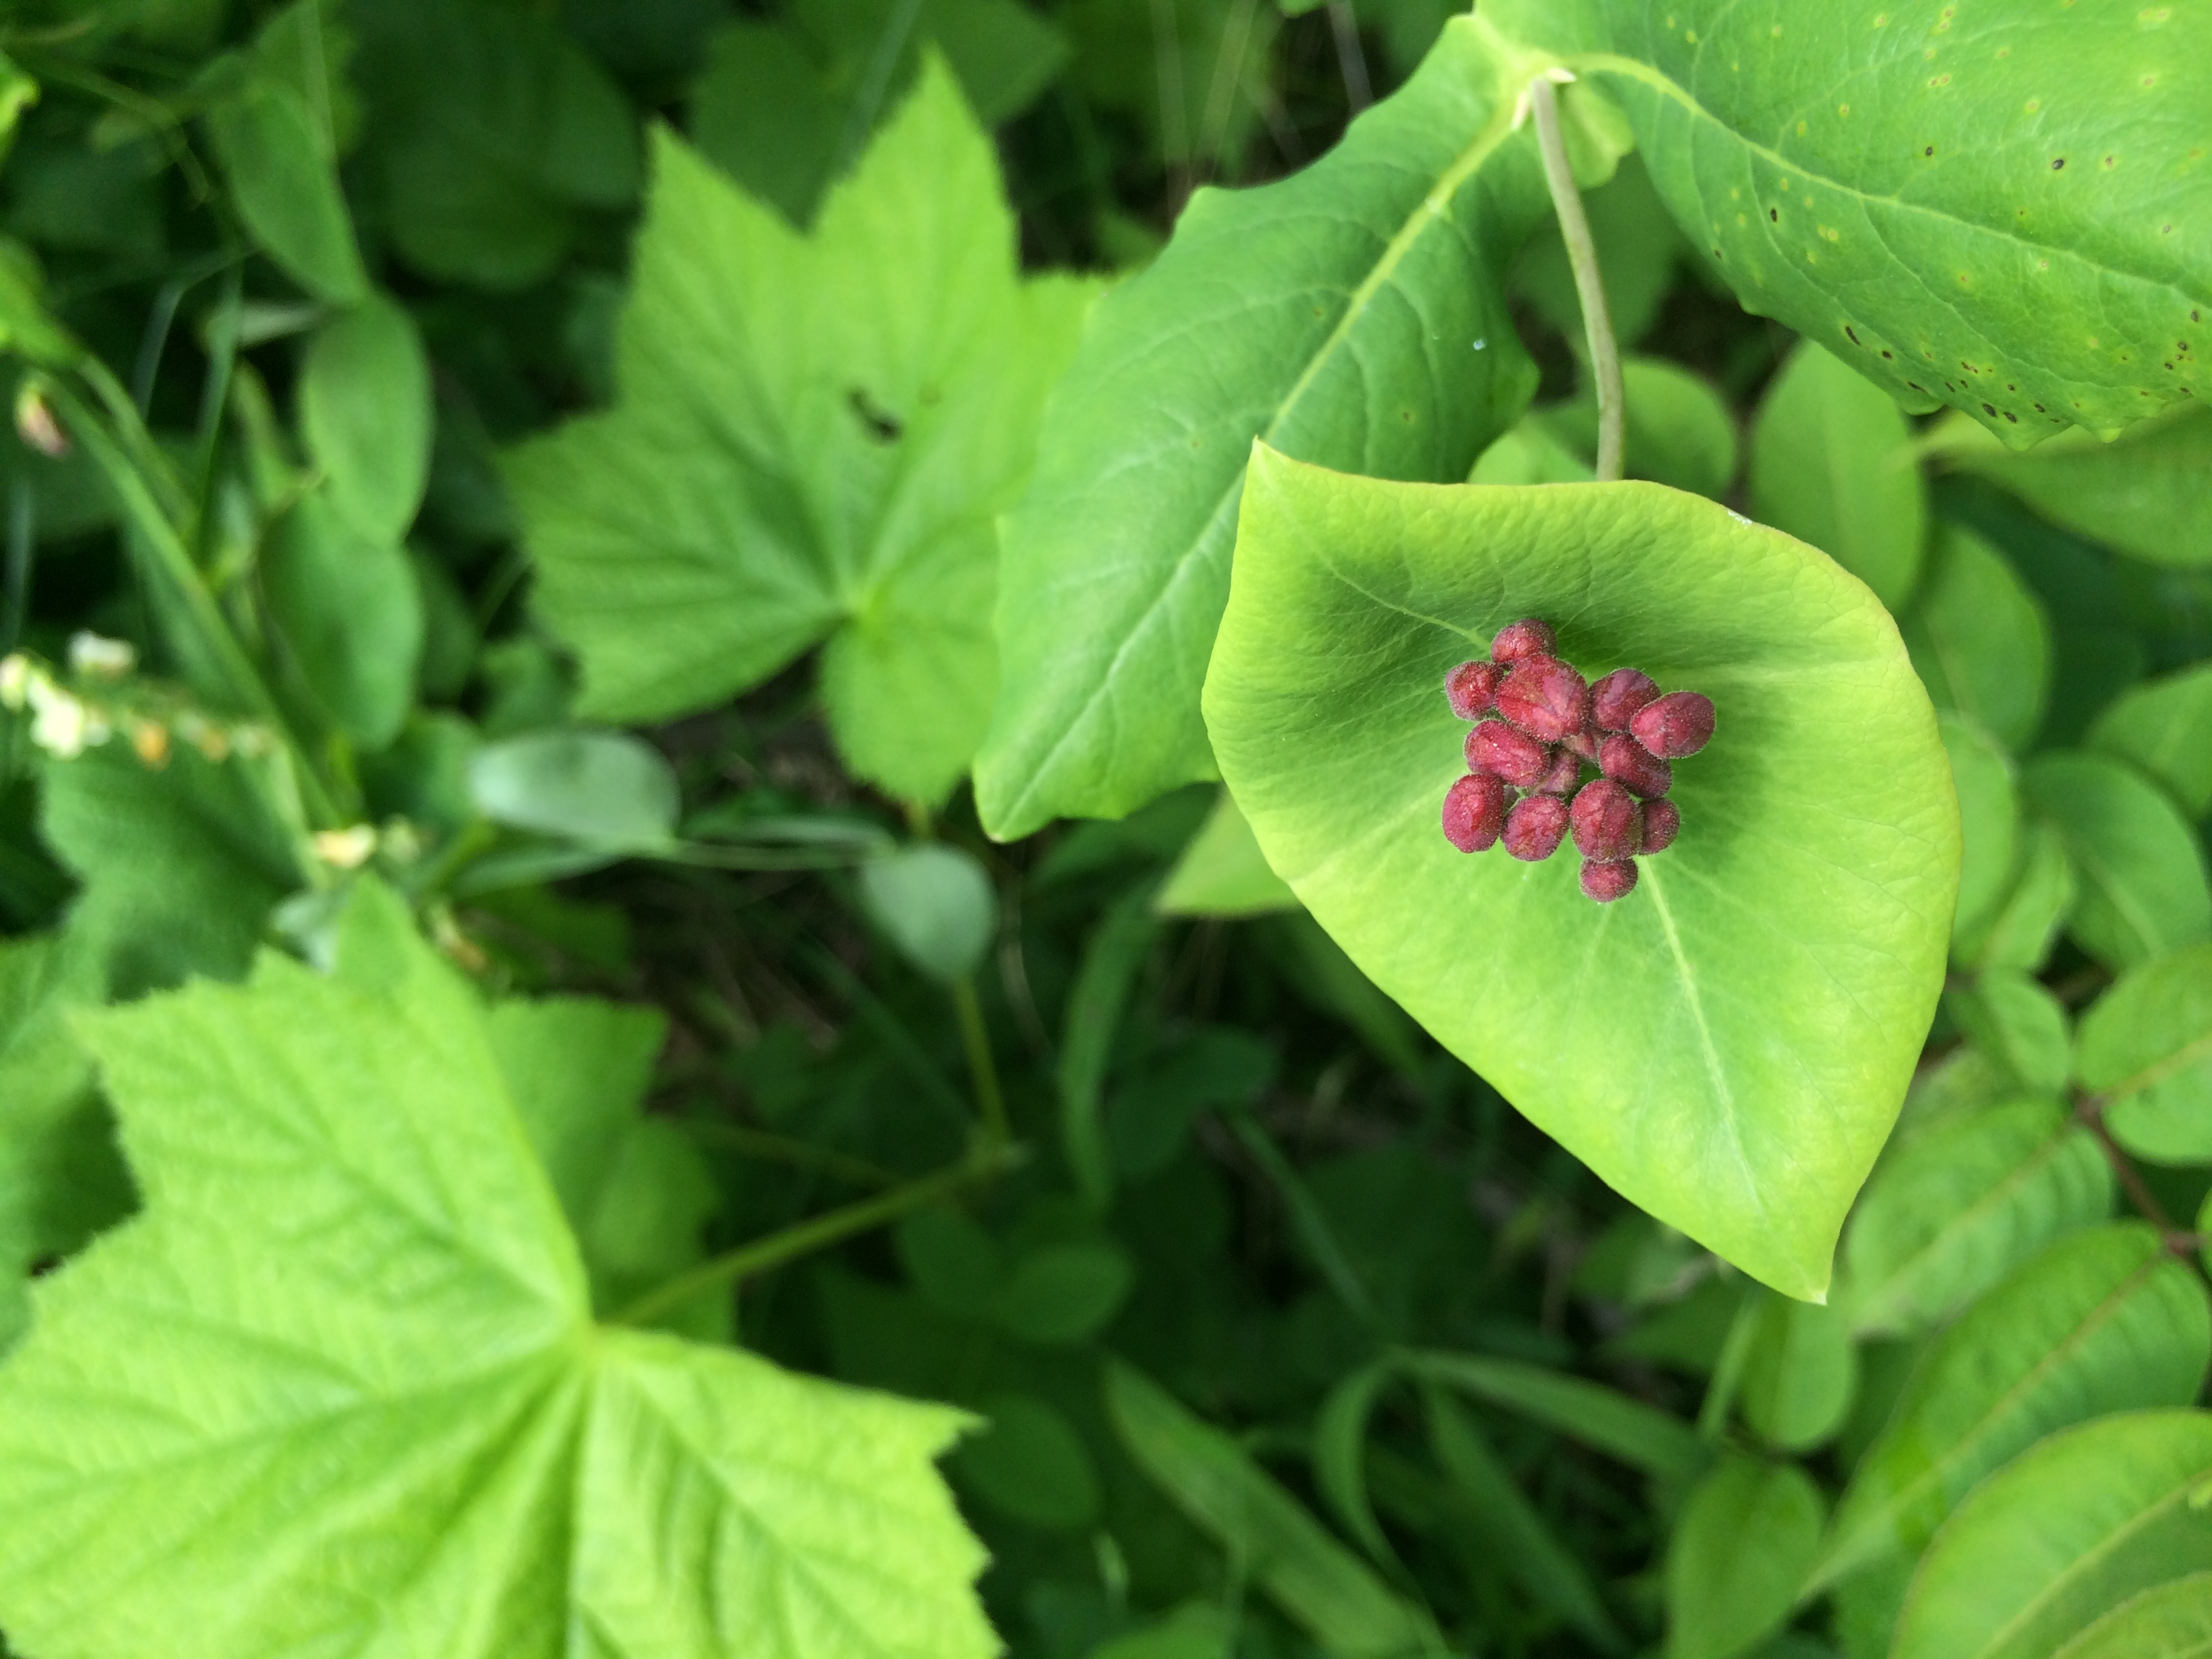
x=1538 y=724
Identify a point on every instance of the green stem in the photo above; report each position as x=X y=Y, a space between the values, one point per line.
x=817 y=1232
x=1590 y=286
x=1312 y=1226
x=784 y=1149
x=976 y=1038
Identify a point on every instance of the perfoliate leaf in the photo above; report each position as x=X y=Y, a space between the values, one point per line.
x=2165 y=726
x=243 y=1424
x=1351 y=314
x=1728 y=1046
x=1740 y=1553
x=1832 y=464
x=2104 y=1321
x=2146 y=1047
x=1991 y=216
x=2147 y=494
x=1960 y=1205
x=2063 y=1536
x=813 y=437
x=2141 y=879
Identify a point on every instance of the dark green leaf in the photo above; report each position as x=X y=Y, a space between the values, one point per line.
x=2146 y=1047
x=365 y=412
x=1029 y=1461
x=1640 y=1435
x=1989 y=824
x=1064 y=1293
x=352 y=613
x=2018 y=1024
x=2143 y=886
x=2041 y=901
x=2165 y=726
x=286 y=188
x=1112 y=957
x=1979 y=638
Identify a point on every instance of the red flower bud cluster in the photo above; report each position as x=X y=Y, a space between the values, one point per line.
x=1537 y=725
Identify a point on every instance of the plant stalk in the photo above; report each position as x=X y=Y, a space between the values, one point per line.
x=818 y=1232
x=983 y=1070
x=1590 y=285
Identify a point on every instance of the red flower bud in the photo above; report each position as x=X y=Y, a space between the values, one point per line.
x=1473 y=687
x=1507 y=752
x=1522 y=639
x=1616 y=699
x=1474 y=811
x=1680 y=723
x=1626 y=761
x=1535 y=827
x=1584 y=740
x=1608 y=825
x=1606 y=880
x=1544 y=697
x=1566 y=772
x=1663 y=822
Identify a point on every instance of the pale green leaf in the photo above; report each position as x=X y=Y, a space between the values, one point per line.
x=1729 y=1045
x=2103 y=1320
x=813 y=437
x=2165 y=726
x=1994 y=216
x=1223 y=872
x=1678 y=431
x=2148 y=493
x=365 y=412
x=286 y=188
x=2018 y=1022
x=599 y=786
x=1832 y=464
x=242 y=1424
x=1531 y=452
x=2062 y=1536
x=2141 y=871
x=2039 y=902
x=1988 y=823
x=1739 y=1552
x=2172 y=1620
x=935 y=904
x=2146 y=1047
x=1268 y=1534
x=1800 y=1375
x=1639 y=251
x=1352 y=314
x=1961 y=1204
x=1979 y=638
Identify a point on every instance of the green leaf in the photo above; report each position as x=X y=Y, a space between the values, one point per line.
x=1271 y=1537
x=365 y=410
x=1800 y=1376
x=1351 y=314
x=1339 y=1454
x=2147 y=494
x=285 y=185
x=1832 y=464
x=1762 y=997
x=351 y=612
x=1531 y=452
x=1739 y=1552
x=1112 y=957
x=180 y=865
x=1979 y=638
x=1961 y=1204
x=259 y=1378
x=1029 y=1461
x=597 y=786
x=1943 y=219
x=2103 y=1320
x=1196 y=1630
x=1641 y=1436
x=811 y=442
x=1065 y=1293
x=2063 y=1535
x=2040 y=901
x=1223 y=871
x=2146 y=1047
x=1989 y=824
x=935 y=904
x=2165 y=727
x=1679 y=431
x=489 y=132
x=2172 y=1620
x=1639 y=250
x=2018 y=1024
x=18 y=92
x=2143 y=886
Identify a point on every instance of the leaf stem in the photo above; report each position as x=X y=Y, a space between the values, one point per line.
x=1590 y=286
x=984 y=1160
x=1728 y=1370
x=2089 y=1112
x=983 y=1070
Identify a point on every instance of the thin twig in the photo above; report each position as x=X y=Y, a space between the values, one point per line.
x=2089 y=1112
x=1590 y=286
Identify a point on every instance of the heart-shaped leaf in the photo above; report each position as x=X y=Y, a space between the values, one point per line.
x=1729 y=1045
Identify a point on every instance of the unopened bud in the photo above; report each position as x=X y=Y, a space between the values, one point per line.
x=1606 y=880
x=1507 y=752
x=1474 y=811
x=1663 y=822
x=1544 y=698
x=36 y=426
x=348 y=848
x=1608 y=825
x=1680 y=723
x=1566 y=772
x=150 y=740
x=96 y=657
x=1626 y=761
x=60 y=724
x=1584 y=740
x=1616 y=699
x=1473 y=687
x=1535 y=827
x=1522 y=639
